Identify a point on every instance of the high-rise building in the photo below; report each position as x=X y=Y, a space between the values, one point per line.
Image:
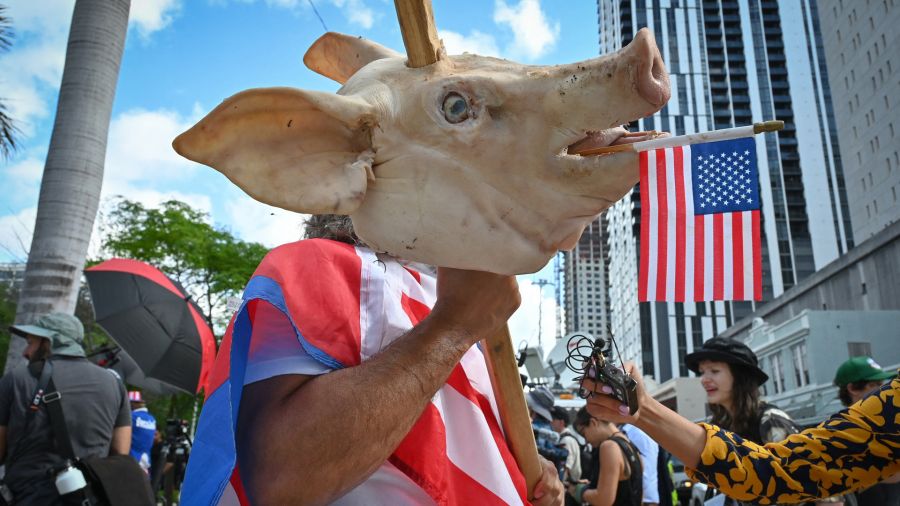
x=732 y=62
x=585 y=289
x=861 y=43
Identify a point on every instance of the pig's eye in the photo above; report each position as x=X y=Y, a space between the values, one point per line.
x=456 y=108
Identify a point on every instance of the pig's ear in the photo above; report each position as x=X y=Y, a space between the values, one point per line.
x=338 y=56
x=305 y=151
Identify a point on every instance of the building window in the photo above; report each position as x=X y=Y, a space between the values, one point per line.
x=777 y=374
x=860 y=348
x=801 y=370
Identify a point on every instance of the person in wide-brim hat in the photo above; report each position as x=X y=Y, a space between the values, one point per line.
x=730 y=351
x=729 y=372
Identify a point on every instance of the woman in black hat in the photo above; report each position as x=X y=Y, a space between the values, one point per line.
x=730 y=374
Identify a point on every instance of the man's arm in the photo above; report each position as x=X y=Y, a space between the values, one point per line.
x=336 y=429
x=716 y=456
x=121 y=441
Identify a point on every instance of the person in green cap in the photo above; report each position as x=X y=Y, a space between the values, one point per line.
x=94 y=402
x=857 y=378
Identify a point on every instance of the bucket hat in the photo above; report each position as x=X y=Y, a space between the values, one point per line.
x=730 y=351
x=64 y=331
x=541 y=400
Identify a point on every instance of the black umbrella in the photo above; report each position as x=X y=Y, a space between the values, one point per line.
x=153 y=319
x=116 y=359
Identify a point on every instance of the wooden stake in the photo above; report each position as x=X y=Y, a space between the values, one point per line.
x=504 y=370
x=419 y=32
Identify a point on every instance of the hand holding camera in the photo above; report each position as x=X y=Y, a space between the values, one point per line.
x=593 y=360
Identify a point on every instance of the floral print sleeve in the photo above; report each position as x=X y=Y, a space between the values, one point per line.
x=851 y=450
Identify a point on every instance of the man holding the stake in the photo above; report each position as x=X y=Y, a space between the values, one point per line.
x=379 y=358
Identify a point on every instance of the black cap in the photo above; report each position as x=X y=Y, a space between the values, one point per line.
x=731 y=351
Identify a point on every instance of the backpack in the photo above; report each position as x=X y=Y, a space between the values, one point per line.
x=585 y=456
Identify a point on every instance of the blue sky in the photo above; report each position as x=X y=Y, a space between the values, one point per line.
x=183 y=57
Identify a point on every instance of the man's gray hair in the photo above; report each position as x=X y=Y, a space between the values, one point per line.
x=336 y=227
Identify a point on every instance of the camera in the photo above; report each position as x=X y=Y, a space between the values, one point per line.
x=593 y=359
x=175 y=451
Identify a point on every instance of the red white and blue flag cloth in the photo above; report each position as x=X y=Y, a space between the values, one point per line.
x=316 y=306
x=700 y=223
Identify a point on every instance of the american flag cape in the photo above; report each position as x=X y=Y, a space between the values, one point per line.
x=345 y=305
x=700 y=223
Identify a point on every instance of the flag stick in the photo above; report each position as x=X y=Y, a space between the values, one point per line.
x=684 y=140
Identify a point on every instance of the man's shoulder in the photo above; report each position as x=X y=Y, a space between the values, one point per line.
x=315 y=248
x=87 y=370
x=308 y=255
x=19 y=375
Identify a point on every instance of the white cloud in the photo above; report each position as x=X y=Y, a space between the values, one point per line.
x=27 y=171
x=150 y=16
x=357 y=12
x=533 y=34
x=476 y=43
x=24 y=179
x=15 y=234
x=140 y=147
x=30 y=74
x=257 y=222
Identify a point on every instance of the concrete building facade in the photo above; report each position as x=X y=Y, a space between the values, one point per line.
x=849 y=308
x=860 y=43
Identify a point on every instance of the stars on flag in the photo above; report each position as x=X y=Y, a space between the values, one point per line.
x=722 y=181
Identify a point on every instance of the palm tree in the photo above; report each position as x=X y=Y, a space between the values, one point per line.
x=73 y=172
x=7 y=129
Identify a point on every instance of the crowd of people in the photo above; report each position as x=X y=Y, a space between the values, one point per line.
x=363 y=375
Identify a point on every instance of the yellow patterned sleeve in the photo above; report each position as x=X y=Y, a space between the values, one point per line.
x=853 y=449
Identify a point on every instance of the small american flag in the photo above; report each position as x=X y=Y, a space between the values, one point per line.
x=700 y=224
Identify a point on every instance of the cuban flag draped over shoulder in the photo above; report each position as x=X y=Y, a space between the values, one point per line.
x=700 y=223
x=341 y=306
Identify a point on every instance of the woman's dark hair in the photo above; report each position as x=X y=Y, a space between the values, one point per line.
x=744 y=402
x=582 y=419
x=844 y=391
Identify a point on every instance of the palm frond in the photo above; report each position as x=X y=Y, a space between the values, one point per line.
x=6 y=31
x=8 y=130
x=8 y=133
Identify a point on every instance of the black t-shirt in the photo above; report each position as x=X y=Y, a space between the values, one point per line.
x=94 y=402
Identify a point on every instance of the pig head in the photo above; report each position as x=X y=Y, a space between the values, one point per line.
x=464 y=163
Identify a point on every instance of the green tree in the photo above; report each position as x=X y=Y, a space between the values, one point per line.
x=209 y=262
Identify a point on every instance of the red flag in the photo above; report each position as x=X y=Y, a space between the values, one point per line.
x=700 y=223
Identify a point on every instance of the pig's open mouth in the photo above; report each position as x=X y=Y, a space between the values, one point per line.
x=610 y=137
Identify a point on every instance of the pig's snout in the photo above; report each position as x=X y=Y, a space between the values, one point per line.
x=651 y=78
